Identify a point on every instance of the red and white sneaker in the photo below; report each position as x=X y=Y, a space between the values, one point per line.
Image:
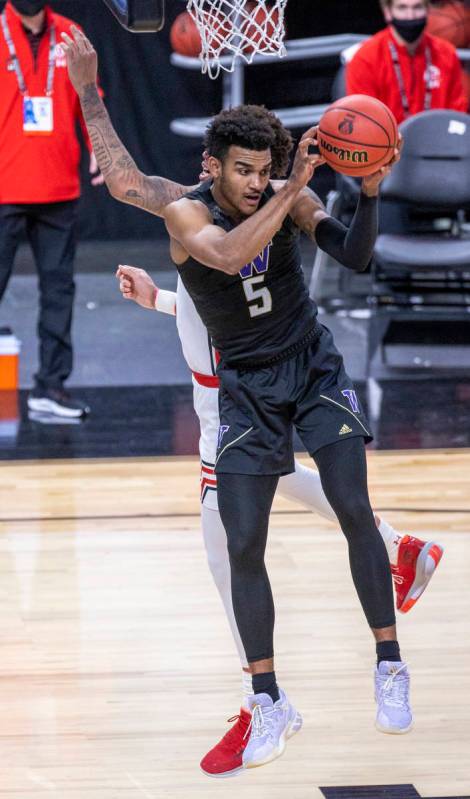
x=226 y=758
x=417 y=561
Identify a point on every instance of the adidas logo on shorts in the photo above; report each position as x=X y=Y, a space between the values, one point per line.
x=344 y=430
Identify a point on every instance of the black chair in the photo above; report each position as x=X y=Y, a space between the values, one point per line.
x=420 y=292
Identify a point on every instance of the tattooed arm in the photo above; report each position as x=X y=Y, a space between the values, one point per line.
x=124 y=179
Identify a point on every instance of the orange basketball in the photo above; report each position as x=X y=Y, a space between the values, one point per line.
x=253 y=30
x=449 y=21
x=357 y=135
x=184 y=36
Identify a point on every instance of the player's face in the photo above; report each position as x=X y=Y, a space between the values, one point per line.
x=243 y=177
x=406 y=9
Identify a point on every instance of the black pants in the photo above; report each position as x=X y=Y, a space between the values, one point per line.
x=50 y=229
x=245 y=503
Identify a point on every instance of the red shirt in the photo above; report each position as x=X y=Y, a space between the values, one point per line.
x=37 y=169
x=371 y=71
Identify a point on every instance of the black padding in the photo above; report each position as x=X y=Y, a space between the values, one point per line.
x=434 y=170
x=139 y=16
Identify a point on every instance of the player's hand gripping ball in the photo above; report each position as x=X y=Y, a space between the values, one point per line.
x=357 y=135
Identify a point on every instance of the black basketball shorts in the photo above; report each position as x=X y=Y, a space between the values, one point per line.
x=259 y=409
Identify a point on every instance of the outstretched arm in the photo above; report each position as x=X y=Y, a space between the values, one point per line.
x=124 y=179
x=136 y=284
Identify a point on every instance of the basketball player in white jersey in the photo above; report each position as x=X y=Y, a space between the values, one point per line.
x=412 y=561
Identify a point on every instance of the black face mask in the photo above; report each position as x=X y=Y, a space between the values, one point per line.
x=409 y=29
x=29 y=8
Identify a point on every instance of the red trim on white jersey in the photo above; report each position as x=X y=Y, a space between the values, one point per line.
x=207 y=469
x=208 y=479
x=209 y=381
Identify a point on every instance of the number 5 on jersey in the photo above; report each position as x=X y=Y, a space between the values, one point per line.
x=259 y=299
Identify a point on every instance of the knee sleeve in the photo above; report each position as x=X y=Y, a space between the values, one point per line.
x=245 y=502
x=304 y=486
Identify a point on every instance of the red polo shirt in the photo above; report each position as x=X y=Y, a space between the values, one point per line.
x=371 y=71
x=37 y=169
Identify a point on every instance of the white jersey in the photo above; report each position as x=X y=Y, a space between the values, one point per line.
x=200 y=357
x=195 y=341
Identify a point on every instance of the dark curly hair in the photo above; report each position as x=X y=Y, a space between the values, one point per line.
x=254 y=128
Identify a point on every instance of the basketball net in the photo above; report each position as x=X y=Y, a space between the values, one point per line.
x=238 y=29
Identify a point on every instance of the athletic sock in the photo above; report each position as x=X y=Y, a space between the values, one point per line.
x=266 y=684
x=247 y=688
x=391 y=540
x=387 y=650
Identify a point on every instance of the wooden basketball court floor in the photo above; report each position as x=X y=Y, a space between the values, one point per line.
x=117 y=670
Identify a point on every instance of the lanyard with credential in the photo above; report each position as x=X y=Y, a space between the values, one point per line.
x=17 y=65
x=401 y=82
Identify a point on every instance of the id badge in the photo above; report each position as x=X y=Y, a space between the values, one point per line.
x=38 y=117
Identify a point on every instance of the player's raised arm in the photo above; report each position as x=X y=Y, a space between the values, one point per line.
x=123 y=178
x=190 y=223
x=351 y=246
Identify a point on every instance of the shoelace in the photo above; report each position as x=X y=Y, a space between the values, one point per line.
x=395 y=690
x=260 y=722
x=233 y=736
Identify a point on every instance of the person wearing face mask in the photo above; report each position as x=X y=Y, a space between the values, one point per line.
x=39 y=182
x=405 y=67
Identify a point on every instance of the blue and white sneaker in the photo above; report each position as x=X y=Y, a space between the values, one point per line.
x=272 y=723
x=392 y=695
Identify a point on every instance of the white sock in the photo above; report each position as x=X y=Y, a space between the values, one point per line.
x=391 y=540
x=247 y=689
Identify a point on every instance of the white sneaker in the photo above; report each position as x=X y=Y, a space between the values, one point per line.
x=57 y=402
x=272 y=723
x=392 y=694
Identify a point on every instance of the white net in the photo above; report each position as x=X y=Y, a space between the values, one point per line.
x=237 y=29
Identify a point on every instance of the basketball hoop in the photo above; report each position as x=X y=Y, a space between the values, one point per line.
x=237 y=29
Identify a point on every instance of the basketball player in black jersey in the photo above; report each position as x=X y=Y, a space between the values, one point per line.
x=234 y=241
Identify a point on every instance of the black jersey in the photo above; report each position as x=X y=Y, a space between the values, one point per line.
x=262 y=314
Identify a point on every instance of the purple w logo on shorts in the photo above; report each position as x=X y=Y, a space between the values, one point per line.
x=222 y=430
x=352 y=399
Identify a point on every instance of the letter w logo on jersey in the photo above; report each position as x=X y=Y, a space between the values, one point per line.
x=352 y=399
x=260 y=264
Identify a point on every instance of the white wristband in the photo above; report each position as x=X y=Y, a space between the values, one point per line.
x=165 y=301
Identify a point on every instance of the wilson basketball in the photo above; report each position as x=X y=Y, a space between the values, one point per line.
x=357 y=135
x=184 y=36
x=449 y=21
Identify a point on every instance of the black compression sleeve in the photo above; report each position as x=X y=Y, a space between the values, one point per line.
x=352 y=247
